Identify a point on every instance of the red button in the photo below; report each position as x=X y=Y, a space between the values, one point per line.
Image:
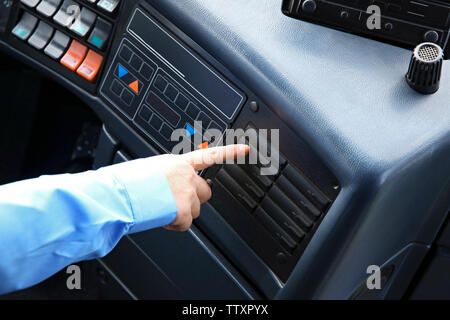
x=204 y=145
x=90 y=66
x=73 y=57
x=134 y=86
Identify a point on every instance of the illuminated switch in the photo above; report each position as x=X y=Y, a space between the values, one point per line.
x=108 y=5
x=135 y=86
x=128 y=79
x=25 y=26
x=190 y=131
x=48 y=7
x=84 y=22
x=41 y=36
x=121 y=71
x=66 y=14
x=90 y=66
x=30 y=3
x=74 y=56
x=99 y=36
x=57 y=45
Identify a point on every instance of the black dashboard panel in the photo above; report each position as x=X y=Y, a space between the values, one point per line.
x=175 y=86
x=157 y=80
x=401 y=22
x=354 y=138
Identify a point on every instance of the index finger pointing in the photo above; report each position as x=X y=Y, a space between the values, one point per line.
x=202 y=159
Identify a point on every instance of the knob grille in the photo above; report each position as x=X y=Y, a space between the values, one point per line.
x=424 y=72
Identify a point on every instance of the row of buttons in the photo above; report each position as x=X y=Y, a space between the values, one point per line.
x=183 y=103
x=120 y=91
x=107 y=5
x=151 y=118
x=78 y=58
x=155 y=122
x=136 y=63
x=287 y=204
x=66 y=17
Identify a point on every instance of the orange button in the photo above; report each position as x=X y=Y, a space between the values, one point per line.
x=90 y=66
x=73 y=57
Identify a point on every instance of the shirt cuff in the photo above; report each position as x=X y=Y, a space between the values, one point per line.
x=152 y=201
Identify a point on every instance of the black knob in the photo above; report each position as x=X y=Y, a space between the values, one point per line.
x=424 y=72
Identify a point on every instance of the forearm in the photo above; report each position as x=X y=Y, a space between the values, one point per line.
x=54 y=221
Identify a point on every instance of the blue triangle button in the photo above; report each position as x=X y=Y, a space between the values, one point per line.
x=189 y=130
x=122 y=71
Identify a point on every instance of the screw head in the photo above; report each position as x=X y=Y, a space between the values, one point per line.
x=388 y=26
x=431 y=36
x=281 y=258
x=309 y=6
x=344 y=14
x=254 y=106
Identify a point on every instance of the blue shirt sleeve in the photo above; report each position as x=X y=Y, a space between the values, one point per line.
x=51 y=222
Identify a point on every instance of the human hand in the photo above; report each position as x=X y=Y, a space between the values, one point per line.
x=189 y=189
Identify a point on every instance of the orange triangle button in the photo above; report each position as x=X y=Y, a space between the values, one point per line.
x=135 y=86
x=204 y=145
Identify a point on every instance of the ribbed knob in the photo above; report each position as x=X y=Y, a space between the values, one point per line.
x=424 y=72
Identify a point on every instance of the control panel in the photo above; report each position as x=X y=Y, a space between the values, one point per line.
x=158 y=81
x=403 y=22
x=72 y=37
x=160 y=84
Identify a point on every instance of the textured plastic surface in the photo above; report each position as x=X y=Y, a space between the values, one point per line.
x=347 y=96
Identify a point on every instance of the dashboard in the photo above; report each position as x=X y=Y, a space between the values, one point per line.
x=362 y=178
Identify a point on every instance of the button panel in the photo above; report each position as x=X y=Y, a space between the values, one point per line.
x=160 y=104
x=276 y=215
x=51 y=26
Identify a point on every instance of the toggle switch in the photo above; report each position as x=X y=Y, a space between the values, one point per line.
x=30 y=3
x=108 y=5
x=84 y=22
x=74 y=56
x=25 y=26
x=48 y=7
x=66 y=13
x=90 y=66
x=41 y=35
x=99 y=36
x=57 y=45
